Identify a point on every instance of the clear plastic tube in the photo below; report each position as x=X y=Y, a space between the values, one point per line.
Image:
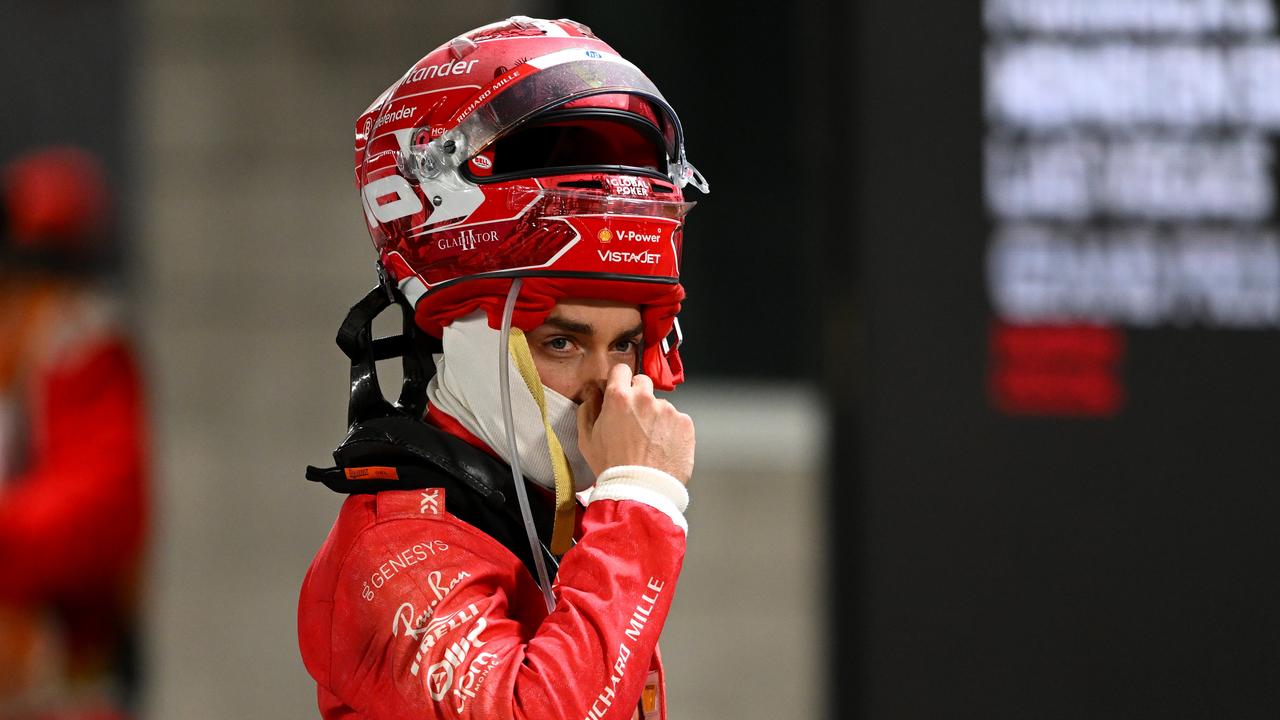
x=504 y=378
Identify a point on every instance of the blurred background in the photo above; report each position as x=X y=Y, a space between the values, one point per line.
x=982 y=345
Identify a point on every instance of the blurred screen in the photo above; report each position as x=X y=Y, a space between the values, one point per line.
x=1129 y=178
x=1060 y=451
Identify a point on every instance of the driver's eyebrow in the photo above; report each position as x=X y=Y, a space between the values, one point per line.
x=571 y=326
x=628 y=334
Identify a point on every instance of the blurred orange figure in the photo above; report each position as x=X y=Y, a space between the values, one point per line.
x=72 y=471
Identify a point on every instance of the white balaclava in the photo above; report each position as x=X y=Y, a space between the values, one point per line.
x=467 y=388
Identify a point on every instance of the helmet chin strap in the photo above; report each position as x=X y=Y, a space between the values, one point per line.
x=511 y=343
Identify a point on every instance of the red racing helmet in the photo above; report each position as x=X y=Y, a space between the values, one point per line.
x=54 y=204
x=528 y=149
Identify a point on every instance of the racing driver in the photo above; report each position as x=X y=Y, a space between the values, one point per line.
x=514 y=528
x=73 y=470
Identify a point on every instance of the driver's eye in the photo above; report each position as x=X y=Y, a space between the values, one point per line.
x=558 y=343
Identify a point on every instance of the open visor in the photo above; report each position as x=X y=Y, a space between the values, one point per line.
x=553 y=233
x=562 y=202
x=538 y=85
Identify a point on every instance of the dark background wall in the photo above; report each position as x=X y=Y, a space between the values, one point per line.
x=1035 y=564
x=64 y=75
x=66 y=80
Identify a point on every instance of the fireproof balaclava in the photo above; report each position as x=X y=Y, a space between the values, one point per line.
x=466 y=387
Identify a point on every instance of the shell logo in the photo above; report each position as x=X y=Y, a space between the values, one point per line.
x=605 y=236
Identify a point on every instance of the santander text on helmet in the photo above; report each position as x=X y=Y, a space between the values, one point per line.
x=448 y=67
x=401 y=114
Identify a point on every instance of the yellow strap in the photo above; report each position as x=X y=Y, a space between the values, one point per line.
x=562 y=531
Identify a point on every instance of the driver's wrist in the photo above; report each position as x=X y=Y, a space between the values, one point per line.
x=647 y=485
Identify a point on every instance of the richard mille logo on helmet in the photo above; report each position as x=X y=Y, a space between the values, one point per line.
x=467 y=240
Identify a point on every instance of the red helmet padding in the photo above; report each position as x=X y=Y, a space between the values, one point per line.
x=659 y=304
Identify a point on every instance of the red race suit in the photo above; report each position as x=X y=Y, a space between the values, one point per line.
x=410 y=611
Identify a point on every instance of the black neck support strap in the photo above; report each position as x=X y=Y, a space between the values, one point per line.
x=355 y=338
x=378 y=451
x=389 y=447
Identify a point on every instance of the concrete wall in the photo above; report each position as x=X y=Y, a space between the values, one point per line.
x=252 y=248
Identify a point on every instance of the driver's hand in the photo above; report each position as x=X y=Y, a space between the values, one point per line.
x=627 y=425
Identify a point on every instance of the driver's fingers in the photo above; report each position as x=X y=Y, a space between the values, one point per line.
x=643 y=383
x=619 y=376
x=589 y=410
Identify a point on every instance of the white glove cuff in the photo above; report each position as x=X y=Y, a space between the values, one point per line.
x=647 y=485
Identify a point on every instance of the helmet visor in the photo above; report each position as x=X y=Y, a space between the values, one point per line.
x=564 y=142
x=546 y=82
x=564 y=203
